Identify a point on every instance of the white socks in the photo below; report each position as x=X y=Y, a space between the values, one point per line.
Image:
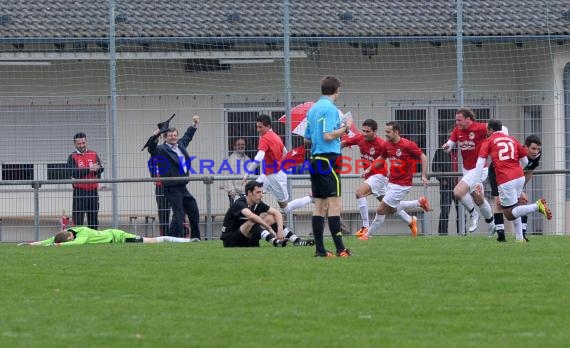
x=485 y=209
x=467 y=202
x=169 y=239
x=376 y=224
x=363 y=209
x=523 y=210
x=297 y=203
x=517 y=224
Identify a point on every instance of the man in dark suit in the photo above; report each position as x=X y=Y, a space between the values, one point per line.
x=170 y=159
x=445 y=163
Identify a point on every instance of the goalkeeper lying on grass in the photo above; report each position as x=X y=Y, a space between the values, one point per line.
x=84 y=235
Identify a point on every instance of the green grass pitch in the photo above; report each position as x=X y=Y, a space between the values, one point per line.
x=394 y=292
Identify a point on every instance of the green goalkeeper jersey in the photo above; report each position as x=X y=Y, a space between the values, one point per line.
x=85 y=235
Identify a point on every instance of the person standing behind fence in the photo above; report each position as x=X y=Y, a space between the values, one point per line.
x=323 y=132
x=85 y=164
x=446 y=163
x=171 y=158
x=236 y=160
x=161 y=202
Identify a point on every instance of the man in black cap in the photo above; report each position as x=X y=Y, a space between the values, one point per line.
x=169 y=160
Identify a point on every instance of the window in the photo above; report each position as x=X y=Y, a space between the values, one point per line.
x=413 y=127
x=58 y=171
x=13 y=171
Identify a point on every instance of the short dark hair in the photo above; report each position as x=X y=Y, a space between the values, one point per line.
x=330 y=85
x=495 y=125
x=170 y=130
x=533 y=138
x=264 y=119
x=251 y=185
x=79 y=135
x=467 y=113
x=370 y=123
x=395 y=126
x=61 y=237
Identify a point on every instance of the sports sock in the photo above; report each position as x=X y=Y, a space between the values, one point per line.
x=403 y=215
x=169 y=239
x=524 y=220
x=290 y=236
x=486 y=211
x=467 y=202
x=523 y=210
x=297 y=203
x=376 y=224
x=363 y=209
x=500 y=222
x=517 y=224
x=336 y=232
x=409 y=204
x=318 y=223
x=265 y=234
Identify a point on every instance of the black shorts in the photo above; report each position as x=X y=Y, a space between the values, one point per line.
x=236 y=239
x=493 y=182
x=325 y=178
x=137 y=239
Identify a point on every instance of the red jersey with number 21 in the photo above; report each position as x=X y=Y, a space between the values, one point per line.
x=505 y=152
x=469 y=141
x=403 y=157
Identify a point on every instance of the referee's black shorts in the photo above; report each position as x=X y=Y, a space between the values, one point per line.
x=493 y=182
x=325 y=179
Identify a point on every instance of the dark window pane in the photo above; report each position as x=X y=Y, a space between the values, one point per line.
x=413 y=124
x=58 y=171
x=17 y=171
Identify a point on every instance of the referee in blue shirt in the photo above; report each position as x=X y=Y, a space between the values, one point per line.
x=323 y=132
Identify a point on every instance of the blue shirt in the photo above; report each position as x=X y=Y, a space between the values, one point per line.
x=323 y=117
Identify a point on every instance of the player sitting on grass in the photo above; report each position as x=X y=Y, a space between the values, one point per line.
x=249 y=220
x=84 y=235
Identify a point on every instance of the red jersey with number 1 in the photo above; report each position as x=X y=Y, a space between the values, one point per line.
x=369 y=151
x=469 y=142
x=505 y=152
x=271 y=144
x=403 y=157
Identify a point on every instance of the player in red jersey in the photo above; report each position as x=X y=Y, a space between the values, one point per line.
x=403 y=154
x=375 y=179
x=270 y=151
x=469 y=191
x=509 y=158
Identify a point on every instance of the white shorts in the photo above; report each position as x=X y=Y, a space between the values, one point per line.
x=394 y=194
x=276 y=183
x=510 y=192
x=472 y=181
x=377 y=183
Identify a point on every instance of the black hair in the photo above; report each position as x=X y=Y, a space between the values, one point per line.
x=79 y=135
x=370 y=123
x=264 y=119
x=251 y=185
x=532 y=139
x=395 y=126
x=495 y=125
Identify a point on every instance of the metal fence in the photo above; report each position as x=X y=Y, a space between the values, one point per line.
x=30 y=219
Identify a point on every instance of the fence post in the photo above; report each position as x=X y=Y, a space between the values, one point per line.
x=209 y=181
x=36 y=186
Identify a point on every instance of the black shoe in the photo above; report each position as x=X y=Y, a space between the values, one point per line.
x=501 y=240
x=280 y=243
x=526 y=239
x=304 y=242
